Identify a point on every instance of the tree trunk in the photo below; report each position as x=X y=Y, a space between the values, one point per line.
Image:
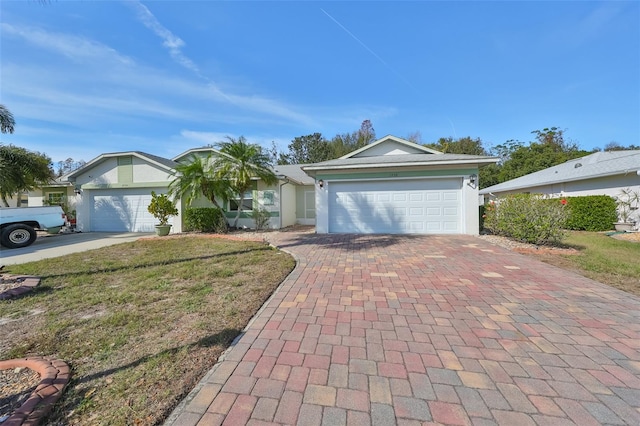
x=235 y=222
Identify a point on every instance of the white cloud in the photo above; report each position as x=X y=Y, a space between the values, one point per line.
x=71 y=46
x=173 y=43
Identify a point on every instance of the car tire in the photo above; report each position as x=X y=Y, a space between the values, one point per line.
x=17 y=236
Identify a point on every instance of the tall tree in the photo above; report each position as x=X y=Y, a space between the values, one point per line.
x=307 y=149
x=550 y=149
x=68 y=166
x=239 y=163
x=198 y=177
x=22 y=170
x=345 y=143
x=465 y=145
x=7 y=122
x=489 y=175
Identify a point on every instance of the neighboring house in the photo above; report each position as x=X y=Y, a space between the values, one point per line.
x=398 y=187
x=601 y=173
x=114 y=191
x=57 y=192
x=291 y=201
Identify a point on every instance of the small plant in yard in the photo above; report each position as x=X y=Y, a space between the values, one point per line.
x=162 y=208
x=527 y=217
x=628 y=201
x=261 y=218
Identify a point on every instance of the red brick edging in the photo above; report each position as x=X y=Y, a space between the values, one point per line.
x=54 y=377
x=28 y=284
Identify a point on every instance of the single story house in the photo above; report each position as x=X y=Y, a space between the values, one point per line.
x=600 y=173
x=111 y=193
x=396 y=186
x=389 y=186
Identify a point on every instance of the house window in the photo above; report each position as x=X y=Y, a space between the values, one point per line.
x=55 y=198
x=268 y=198
x=247 y=202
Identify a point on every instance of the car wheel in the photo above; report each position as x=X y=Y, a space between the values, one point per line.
x=17 y=236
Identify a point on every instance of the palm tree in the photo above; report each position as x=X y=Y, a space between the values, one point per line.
x=22 y=170
x=240 y=163
x=198 y=177
x=7 y=123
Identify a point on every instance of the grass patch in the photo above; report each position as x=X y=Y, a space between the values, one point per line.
x=602 y=258
x=139 y=323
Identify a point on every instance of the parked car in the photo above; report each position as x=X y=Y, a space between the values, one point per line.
x=18 y=225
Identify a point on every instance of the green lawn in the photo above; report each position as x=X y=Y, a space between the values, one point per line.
x=139 y=323
x=602 y=258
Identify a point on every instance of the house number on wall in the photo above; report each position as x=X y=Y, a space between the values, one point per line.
x=393 y=174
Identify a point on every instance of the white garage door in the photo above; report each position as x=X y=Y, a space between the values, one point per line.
x=425 y=206
x=122 y=210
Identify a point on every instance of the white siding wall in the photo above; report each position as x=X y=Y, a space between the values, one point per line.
x=288 y=209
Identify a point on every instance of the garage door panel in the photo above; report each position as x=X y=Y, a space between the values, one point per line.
x=450 y=196
x=398 y=206
x=118 y=210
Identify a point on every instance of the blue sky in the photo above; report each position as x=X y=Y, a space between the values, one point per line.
x=88 y=77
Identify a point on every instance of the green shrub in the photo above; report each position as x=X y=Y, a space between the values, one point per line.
x=591 y=213
x=261 y=218
x=481 y=212
x=527 y=217
x=205 y=219
x=162 y=208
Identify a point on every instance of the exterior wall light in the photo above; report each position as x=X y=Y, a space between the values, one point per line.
x=321 y=183
x=473 y=179
x=77 y=190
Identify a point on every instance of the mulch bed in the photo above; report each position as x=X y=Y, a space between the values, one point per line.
x=30 y=388
x=16 y=385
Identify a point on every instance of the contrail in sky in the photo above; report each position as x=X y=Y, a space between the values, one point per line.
x=367 y=48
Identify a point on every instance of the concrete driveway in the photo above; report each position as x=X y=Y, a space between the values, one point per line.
x=47 y=246
x=408 y=330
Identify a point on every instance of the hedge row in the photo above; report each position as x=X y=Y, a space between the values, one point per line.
x=591 y=213
x=205 y=219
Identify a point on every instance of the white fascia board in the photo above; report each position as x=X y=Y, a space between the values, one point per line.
x=385 y=165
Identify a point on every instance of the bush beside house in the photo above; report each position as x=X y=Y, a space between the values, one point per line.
x=527 y=217
x=591 y=213
x=205 y=219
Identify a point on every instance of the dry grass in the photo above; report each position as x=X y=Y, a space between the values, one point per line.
x=609 y=260
x=139 y=323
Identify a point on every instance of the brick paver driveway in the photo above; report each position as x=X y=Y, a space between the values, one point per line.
x=404 y=330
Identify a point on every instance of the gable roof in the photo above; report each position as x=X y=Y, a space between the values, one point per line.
x=414 y=155
x=413 y=147
x=599 y=164
x=164 y=163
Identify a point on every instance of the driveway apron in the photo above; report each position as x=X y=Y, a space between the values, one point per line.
x=408 y=330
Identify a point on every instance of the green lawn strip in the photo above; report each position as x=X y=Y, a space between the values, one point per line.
x=139 y=323
x=602 y=258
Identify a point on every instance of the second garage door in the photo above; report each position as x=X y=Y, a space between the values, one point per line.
x=122 y=210
x=424 y=206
